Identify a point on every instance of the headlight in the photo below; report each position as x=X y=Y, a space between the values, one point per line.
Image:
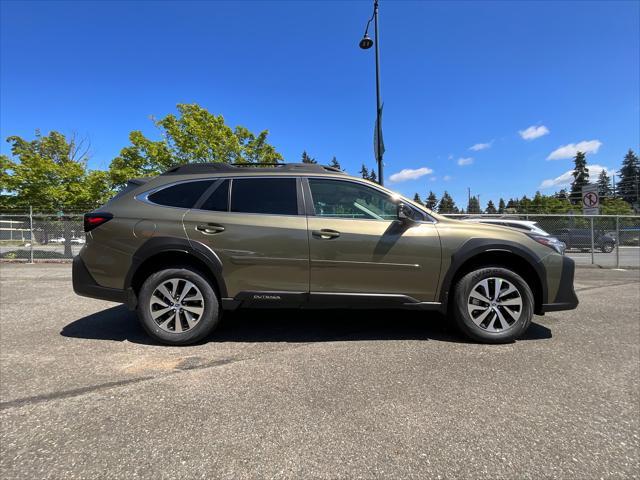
x=551 y=242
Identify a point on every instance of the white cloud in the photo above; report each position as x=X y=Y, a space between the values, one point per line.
x=481 y=146
x=433 y=179
x=566 y=178
x=570 y=150
x=533 y=132
x=446 y=178
x=465 y=161
x=410 y=174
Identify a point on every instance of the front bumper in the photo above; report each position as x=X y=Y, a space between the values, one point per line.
x=566 y=298
x=86 y=286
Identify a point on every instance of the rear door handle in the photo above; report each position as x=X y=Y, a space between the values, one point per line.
x=325 y=234
x=210 y=228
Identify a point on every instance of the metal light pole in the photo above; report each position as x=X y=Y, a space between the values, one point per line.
x=365 y=44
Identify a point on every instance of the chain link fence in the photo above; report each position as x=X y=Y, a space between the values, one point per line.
x=36 y=237
x=605 y=240
x=610 y=241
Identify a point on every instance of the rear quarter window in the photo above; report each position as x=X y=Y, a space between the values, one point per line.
x=181 y=195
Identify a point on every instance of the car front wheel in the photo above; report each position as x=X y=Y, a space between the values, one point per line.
x=607 y=247
x=493 y=305
x=178 y=306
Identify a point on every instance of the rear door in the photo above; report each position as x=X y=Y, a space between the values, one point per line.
x=257 y=227
x=357 y=245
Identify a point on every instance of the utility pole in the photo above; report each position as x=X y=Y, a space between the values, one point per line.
x=365 y=44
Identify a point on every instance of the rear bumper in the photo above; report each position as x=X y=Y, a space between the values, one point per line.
x=86 y=286
x=566 y=298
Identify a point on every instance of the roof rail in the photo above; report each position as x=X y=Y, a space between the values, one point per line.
x=191 y=168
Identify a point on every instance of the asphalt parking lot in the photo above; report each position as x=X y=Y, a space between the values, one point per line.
x=327 y=394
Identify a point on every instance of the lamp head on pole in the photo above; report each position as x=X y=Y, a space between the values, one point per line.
x=366 y=42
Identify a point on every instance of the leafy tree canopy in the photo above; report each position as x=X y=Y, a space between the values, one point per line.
x=194 y=135
x=50 y=173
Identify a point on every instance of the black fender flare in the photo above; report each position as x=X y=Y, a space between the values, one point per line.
x=157 y=245
x=477 y=246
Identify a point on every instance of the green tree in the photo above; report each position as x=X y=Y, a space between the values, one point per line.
x=432 y=201
x=604 y=185
x=194 y=135
x=501 y=206
x=491 y=208
x=307 y=159
x=447 y=205
x=50 y=173
x=562 y=194
x=474 y=205
x=372 y=176
x=580 y=177
x=629 y=183
x=417 y=199
x=364 y=172
x=334 y=163
x=615 y=206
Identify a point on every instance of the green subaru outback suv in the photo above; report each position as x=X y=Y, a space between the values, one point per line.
x=202 y=238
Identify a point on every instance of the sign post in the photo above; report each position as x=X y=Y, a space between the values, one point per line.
x=590 y=200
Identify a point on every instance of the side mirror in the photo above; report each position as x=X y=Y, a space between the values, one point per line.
x=405 y=214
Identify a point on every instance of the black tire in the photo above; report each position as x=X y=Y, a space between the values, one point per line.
x=209 y=319
x=607 y=247
x=463 y=319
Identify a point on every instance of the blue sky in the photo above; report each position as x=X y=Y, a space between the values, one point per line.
x=454 y=75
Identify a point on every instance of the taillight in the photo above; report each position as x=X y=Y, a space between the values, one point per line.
x=93 y=220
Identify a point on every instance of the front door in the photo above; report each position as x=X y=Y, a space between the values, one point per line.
x=257 y=227
x=358 y=246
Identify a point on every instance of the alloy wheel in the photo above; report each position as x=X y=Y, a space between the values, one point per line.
x=494 y=304
x=176 y=305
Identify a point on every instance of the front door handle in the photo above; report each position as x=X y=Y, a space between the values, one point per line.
x=325 y=234
x=210 y=228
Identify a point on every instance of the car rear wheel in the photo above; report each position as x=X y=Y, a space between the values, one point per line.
x=493 y=305
x=607 y=247
x=178 y=306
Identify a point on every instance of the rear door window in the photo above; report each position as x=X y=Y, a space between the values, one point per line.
x=269 y=196
x=181 y=195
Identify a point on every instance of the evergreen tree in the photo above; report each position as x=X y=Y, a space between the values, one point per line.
x=432 y=201
x=604 y=185
x=501 y=206
x=417 y=199
x=628 y=185
x=473 y=206
x=373 y=177
x=364 y=171
x=580 y=177
x=562 y=195
x=307 y=159
x=335 y=164
x=491 y=208
x=539 y=204
x=512 y=205
x=447 y=205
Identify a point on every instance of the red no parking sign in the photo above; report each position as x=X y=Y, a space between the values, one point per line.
x=590 y=200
